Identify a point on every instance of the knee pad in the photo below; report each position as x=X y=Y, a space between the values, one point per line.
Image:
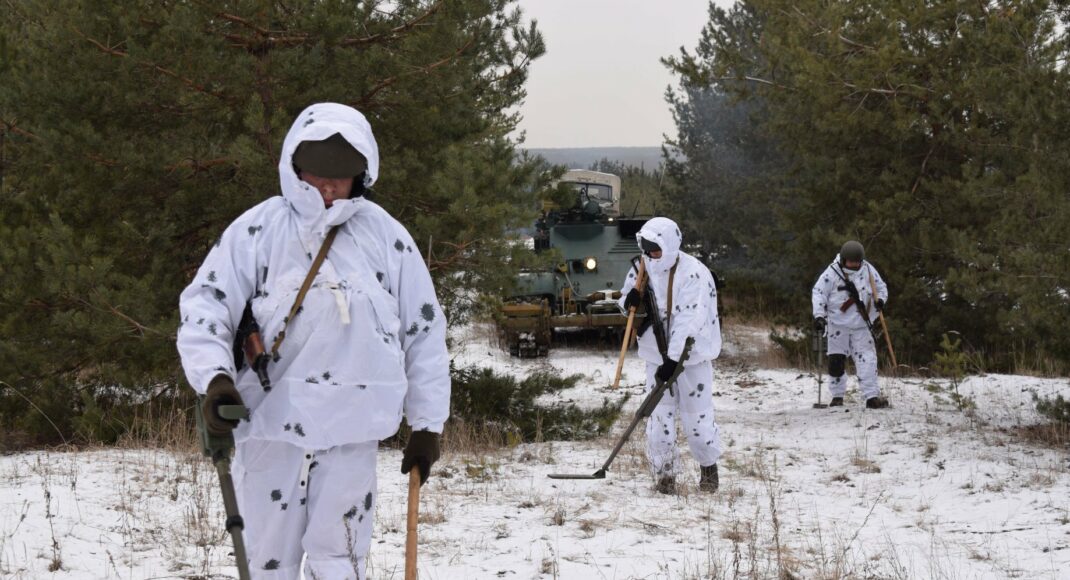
x=837 y=365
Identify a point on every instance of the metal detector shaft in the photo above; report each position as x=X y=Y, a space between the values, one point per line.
x=819 y=348
x=645 y=409
x=235 y=525
x=217 y=448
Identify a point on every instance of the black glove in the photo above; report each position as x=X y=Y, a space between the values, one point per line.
x=820 y=324
x=220 y=391
x=632 y=300
x=880 y=305
x=422 y=451
x=667 y=368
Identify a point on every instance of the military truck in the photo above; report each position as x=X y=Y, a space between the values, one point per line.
x=596 y=244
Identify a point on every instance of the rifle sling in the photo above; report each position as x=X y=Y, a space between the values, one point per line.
x=668 y=306
x=304 y=290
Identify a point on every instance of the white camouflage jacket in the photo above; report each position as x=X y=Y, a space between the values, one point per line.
x=830 y=292
x=694 y=302
x=369 y=341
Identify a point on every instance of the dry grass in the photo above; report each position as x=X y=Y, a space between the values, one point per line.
x=1051 y=435
x=752 y=345
x=168 y=426
x=462 y=438
x=865 y=465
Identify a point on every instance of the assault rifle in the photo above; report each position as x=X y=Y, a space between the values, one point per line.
x=249 y=347
x=852 y=292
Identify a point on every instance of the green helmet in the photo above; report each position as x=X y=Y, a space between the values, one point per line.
x=852 y=251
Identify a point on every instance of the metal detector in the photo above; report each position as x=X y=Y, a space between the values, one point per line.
x=818 y=346
x=218 y=448
x=645 y=409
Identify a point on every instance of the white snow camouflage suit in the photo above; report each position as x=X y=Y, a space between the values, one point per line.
x=848 y=333
x=694 y=314
x=367 y=346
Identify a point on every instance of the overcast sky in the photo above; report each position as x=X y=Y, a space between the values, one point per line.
x=600 y=83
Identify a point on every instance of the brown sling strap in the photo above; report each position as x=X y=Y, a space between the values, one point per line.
x=668 y=305
x=304 y=290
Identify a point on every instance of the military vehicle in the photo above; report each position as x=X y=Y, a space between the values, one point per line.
x=596 y=244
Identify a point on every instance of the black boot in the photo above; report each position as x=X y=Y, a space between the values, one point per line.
x=708 y=480
x=836 y=402
x=666 y=484
x=876 y=403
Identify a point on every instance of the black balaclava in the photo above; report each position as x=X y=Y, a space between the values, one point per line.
x=332 y=158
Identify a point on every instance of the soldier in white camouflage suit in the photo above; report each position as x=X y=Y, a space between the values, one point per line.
x=845 y=307
x=690 y=312
x=367 y=347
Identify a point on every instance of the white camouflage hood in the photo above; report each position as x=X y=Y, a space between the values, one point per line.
x=316 y=123
x=665 y=233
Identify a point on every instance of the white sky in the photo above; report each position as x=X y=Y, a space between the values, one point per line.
x=600 y=83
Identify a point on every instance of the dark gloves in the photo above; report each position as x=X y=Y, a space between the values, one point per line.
x=422 y=451
x=667 y=368
x=632 y=300
x=880 y=305
x=820 y=324
x=221 y=391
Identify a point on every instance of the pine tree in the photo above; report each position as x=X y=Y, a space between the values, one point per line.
x=134 y=132
x=928 y=131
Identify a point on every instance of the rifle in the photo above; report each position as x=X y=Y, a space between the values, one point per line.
x=249 y=347
x=852 y=291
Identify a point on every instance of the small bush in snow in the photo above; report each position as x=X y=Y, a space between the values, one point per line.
x=482 y=396
x=1057 y=409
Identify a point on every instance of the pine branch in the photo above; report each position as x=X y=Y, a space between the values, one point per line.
x=120 y=54
x=11 y=126
x=751 y=79
x=275 y=39
x=198 y=166
x=136 y=326
x=396 y=31
x=365 y=99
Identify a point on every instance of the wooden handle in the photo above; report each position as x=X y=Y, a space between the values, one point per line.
x=414 y=514
x=628 y=328
x=884 y=325
x=624 y=346
x=888 y=340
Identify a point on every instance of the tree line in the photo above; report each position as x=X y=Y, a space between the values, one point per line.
x=936 y=133
x=132 y=133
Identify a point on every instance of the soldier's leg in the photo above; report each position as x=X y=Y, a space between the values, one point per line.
x=864 y=353
x=839 y=344
x=661 y=448
x=341 y=511
x=267 y=477
x=697 y=414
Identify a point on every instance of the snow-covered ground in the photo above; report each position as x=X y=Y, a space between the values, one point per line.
x=926 y=489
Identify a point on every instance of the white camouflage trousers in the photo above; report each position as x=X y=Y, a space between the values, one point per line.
x=858 y=344
x=692 y=401
x=296 y=502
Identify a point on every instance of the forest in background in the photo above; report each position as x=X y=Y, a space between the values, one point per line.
x=937 y=134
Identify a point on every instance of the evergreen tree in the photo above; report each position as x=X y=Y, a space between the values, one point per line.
x=725 y=169
x=936 y=134
x=134 y=132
